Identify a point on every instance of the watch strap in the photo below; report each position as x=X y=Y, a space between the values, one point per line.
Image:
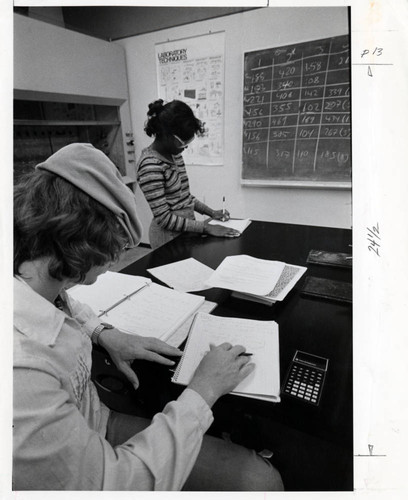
x=98 y=330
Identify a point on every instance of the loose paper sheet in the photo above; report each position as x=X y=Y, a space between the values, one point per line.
x=188 y=275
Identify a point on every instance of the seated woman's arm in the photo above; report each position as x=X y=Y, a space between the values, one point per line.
x=122 y=347
x=55 y=449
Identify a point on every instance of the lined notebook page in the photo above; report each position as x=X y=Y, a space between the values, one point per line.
x=155 y=311
x=107 y=290
x=259 y=337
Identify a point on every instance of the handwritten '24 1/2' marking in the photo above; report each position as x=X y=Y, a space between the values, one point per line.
x=373 y=238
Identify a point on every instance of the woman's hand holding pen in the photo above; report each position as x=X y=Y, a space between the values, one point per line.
x=124 y=349
x=220 y=371
x=222 y=215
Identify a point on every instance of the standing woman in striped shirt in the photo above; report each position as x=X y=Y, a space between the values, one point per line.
x=162 y=175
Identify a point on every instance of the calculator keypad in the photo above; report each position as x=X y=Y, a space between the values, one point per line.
x=305 y=383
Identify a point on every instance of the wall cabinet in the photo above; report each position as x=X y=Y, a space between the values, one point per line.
x=43 y=127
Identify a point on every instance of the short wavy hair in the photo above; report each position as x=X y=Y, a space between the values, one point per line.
x=53 y=219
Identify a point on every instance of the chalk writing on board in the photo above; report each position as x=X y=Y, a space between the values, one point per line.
x=296 y=113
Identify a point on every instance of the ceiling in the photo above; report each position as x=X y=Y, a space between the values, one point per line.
x=113 y=23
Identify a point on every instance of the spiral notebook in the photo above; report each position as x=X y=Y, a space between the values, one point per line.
x=261 y=338
x=137 y=306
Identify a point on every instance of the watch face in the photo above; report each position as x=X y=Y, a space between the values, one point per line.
x=107 y=326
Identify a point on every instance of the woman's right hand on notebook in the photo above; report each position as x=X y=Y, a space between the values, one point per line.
x=220 y=371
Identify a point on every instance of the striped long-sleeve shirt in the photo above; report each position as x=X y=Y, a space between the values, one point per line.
x=166 y=188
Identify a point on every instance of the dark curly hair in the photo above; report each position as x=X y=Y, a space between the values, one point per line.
x=54 y=219
x=175 y=117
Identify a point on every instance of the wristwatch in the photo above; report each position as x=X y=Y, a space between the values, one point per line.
x=98 y=330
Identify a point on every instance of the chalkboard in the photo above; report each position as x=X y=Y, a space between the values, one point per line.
x=296 y=114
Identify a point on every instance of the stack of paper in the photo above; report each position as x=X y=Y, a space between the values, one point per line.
x=247 y=274
x=287 y=280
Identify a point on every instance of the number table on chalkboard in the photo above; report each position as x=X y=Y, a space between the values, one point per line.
x=296 y=115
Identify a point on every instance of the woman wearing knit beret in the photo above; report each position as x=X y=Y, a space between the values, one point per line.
x=73 y=216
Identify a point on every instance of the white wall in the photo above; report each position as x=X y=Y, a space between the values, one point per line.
x=53 y=62
x=255 y=29
x=49 y=58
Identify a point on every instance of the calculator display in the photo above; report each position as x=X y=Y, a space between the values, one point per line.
x=311 y=360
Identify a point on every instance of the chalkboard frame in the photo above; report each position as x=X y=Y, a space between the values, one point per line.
x=343 y=184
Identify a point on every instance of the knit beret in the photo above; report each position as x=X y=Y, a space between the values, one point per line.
x=91 y=171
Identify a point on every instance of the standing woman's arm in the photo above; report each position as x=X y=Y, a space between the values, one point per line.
x=152 y=182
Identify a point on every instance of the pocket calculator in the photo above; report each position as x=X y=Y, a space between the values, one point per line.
x=305 y=377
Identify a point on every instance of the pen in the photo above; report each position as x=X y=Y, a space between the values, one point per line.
x=246 y=354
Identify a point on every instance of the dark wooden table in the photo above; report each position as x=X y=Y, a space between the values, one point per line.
x=313 y=445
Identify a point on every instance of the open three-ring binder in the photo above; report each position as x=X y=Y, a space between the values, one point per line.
x=136 y=305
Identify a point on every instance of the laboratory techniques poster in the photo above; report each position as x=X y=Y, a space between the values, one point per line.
x=192 y=70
